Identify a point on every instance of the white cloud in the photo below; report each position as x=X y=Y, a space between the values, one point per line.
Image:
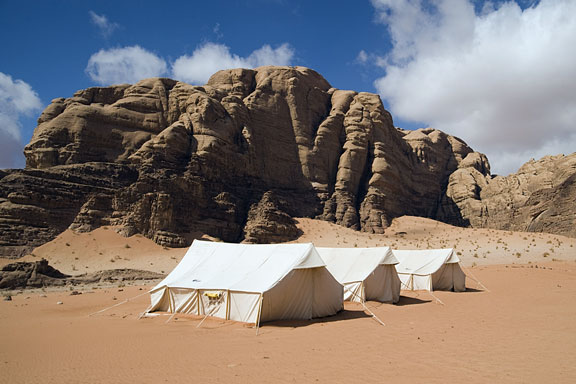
x=211 y=57
x=362 y=57
x=503 y=80
x=124 y=65
x=104 y=25
x=17 y=99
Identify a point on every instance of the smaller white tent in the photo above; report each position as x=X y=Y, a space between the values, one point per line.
x=249 y=282
x=365 y=273
x=431 y=269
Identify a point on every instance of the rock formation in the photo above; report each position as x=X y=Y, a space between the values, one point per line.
x=34 y=275
x=235 y=159
x=540 y=197
x=39 y=274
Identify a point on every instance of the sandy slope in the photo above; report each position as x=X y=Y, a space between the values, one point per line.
x=522 y=330
x=76 y=253
x=473 y=246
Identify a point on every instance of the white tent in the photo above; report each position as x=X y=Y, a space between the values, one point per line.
x=431 y=269
x=249 y=283
x=366 y=273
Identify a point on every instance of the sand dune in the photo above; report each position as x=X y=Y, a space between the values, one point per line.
x=76 y=253
x=521 y=330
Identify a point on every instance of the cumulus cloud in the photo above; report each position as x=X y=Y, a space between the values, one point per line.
x=105 y=26
x=211 y=57
x=501 y=78
x=124 y=65
x=17 y=99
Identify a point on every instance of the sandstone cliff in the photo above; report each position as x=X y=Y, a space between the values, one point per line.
x=540 y=197
x=236 y=159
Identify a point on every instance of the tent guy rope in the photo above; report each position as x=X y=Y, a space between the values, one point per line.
x=468 y=271
x=362 y=301
x=115 y=305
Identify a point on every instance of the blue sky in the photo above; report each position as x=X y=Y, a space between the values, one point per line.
x=500 y=75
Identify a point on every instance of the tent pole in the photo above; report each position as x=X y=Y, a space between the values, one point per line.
x=115 y=305
x=228 y=306
x=259 y=314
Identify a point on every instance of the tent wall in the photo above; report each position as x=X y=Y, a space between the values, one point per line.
x=449 y=277
x=415 y=282
x=383 y=285
x=303 y=294
x=244 y=306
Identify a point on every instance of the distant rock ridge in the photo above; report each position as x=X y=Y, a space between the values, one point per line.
x=540 y=197
x=237 y=159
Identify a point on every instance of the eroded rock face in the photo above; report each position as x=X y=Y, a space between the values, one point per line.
x=268 y=223
x=235 y=159
x=538 y=198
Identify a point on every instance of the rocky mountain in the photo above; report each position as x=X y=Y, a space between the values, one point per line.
x=240 y=157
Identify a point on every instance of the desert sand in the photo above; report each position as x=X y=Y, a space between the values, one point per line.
x=520 y=329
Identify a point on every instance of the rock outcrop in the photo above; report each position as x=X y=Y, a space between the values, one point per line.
x=235 y=159
x=30 y=275
x=538 y=198
x=39 y=274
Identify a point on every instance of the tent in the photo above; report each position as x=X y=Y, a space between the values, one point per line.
x=431 y=269
x=365 y=273
x=250 y=283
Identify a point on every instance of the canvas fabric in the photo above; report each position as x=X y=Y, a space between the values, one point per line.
x=434 y=269
x=366 y=273
x=247 y=282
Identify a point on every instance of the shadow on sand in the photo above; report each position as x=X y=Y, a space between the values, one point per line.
x=474 y=290
x=340 y=316
x=407 y=300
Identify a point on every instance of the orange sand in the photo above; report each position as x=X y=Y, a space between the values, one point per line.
x=522 y=330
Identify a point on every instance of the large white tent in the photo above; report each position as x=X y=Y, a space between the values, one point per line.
x=430 y=269
x=250 y=283
x=366 y=273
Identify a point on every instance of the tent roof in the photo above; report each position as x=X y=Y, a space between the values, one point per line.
x=355 y=264
x=239 y=267
x=424 y=262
